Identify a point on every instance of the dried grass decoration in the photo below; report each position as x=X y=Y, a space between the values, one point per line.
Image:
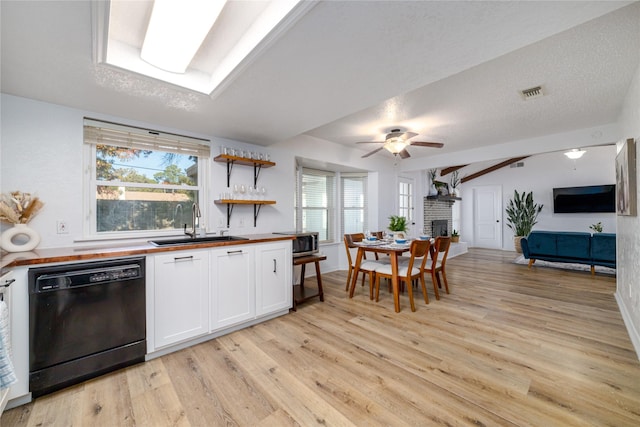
x=18 y=208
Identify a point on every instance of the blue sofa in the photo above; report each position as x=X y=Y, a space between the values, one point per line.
x=569 y=246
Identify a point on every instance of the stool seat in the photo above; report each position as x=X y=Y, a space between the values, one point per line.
x=300 y=294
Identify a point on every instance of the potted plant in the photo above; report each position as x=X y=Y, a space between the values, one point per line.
x=398 y=225
x=455 y=236
x=522 y=214
x=455 y=181
x=597 y=228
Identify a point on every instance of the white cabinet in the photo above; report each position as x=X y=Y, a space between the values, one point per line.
x=5 y=300
x=232 y=286
x=19 y=321
x=273 y=277
x=181 y=296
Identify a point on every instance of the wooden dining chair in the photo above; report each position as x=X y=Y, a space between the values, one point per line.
x=414 y=269
x=439 y=252
x=366 y=267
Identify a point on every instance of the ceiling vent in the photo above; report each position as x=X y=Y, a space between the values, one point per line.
x=534 y=92
x=516 y=165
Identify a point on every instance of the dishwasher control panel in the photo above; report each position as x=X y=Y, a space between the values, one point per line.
x=84 y=277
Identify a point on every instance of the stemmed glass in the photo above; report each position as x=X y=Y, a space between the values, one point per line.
x=236 y=191
x=263 y=193
x=243 y=190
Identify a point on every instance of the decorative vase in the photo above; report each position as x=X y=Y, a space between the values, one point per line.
x=433 y=191
x=7 y=243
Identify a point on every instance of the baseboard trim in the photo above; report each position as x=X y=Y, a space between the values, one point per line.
x=634 y=335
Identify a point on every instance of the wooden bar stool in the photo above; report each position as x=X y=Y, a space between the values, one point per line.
x=300 y=294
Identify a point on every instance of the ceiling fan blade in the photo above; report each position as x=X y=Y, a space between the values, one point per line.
x=404 y=154
x=427 y=144
x=372 y=152
x=369 y=142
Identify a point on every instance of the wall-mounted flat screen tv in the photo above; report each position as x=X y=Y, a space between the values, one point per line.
x=592 y=198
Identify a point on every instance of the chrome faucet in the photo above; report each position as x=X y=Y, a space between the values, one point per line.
x=195 y=210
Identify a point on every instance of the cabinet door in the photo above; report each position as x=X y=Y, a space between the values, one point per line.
x=232 y=286
x=19 y=324
x=181 y=296
x=273 y=277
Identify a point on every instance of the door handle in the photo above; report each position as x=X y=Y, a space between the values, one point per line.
x=8 y=283
x=274 y=265
x=183 y=258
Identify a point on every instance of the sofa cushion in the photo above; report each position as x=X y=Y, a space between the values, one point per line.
x=573 y=245
x=603 y=247
x=542 y=242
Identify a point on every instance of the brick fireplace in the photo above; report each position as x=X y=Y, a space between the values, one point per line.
x=437 y=210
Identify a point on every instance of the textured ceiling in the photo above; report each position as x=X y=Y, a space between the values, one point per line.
x=350 y=70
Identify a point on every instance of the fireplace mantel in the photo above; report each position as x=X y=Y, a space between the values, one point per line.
x=444 y=198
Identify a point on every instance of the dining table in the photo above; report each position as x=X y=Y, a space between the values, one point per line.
x=381 y=247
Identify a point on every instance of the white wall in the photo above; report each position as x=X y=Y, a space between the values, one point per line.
x=540 y=174
x=628 y=238
x=42 y=154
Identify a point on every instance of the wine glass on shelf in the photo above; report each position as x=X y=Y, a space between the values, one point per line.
x=243 y=190
x=251 y=192
x=236 y=191
x=263 y=193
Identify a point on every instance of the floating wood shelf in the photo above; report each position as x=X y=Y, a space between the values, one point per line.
x=233 y=160
x=257 y=204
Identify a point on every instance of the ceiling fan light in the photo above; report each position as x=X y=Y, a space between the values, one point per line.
x=575 y=153
x=395 y=145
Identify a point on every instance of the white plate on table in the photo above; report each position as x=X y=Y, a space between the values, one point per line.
x=372 y=242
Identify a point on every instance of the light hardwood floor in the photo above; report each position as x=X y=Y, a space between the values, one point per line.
x=508 y=346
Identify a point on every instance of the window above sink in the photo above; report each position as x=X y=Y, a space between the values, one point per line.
x=141 y=182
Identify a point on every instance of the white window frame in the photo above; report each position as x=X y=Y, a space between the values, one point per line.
x=175 y=143
x=330 y=199
x=364 y=177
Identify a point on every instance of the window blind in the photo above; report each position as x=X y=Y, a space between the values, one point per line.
x=317 y=202
x=354 y=203
x=105 y=133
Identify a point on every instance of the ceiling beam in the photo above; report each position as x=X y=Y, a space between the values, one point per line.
x=450 y=169
x=492 y=168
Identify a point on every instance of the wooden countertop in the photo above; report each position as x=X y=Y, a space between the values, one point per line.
x=114 y=250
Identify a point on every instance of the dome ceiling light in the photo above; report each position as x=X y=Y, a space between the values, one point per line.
x=575 y=153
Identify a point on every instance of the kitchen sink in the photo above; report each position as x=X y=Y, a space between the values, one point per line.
x=191 y=241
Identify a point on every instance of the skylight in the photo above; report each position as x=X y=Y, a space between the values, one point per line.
x=242 y=29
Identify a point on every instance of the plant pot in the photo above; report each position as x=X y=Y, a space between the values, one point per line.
x=517 y=244
x=455 y=239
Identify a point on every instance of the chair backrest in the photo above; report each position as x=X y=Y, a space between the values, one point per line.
x=419 y=249
x=379 y=234
x=348 y=243
x=441 y=248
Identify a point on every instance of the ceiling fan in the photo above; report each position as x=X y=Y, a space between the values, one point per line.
x=396 y=142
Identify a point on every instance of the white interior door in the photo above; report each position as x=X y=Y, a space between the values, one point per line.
x=487 y=216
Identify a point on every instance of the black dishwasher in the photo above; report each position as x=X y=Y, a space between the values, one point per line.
x=84 y=320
